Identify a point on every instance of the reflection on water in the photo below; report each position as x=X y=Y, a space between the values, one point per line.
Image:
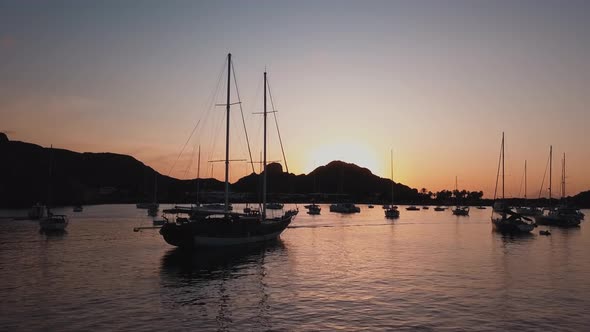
x=54 y=233
x=426 y=270
x=207 y=262
x=220 y=284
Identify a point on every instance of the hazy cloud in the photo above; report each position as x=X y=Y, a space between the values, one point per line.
x=6 y=42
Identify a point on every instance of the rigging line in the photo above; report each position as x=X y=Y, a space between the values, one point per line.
x=274 y=111
x=521 y=183
x=183 y=147
x=544 y=174
x=242 y=113
x=214 y=94
x=190 y=163
x=498 y=173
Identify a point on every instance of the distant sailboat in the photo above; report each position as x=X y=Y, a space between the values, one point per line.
x=392 y=211
x=459 y=210
x=154 y=207
x=344 y=208
x=314 y=209
x=561 y=215
x=52 y=222
x=229 y=228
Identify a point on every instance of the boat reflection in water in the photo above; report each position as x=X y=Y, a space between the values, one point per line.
x=227 y=288
x=209 y=260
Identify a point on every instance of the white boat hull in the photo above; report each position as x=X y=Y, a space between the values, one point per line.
x=49 y=226
x=200 y=241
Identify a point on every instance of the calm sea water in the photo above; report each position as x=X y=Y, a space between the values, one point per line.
x=425 y=271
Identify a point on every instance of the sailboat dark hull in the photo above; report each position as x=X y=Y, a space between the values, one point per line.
x=221 y=232
x=504 y=225
x=559 y=221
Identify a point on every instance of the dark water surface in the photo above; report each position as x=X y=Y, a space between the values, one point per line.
x=425 y=271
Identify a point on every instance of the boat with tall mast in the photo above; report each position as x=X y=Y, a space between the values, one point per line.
x=459 y=210
x=530 y=211
x=227 y=228
x=504 y=220
x=392 y=211
x=51 y=221
x=561 y=215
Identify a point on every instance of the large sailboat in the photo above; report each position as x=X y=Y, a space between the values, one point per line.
x=225 y=228
x=505 y=220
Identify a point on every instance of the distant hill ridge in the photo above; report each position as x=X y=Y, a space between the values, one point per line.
x=95 y=178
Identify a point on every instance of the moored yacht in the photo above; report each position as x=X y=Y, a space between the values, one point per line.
x=461 y=211
x=391 y=211
x=503 y=219
x=53 y=222
x=225 y=228
x=314 y=209
x=562 y=215
x=344 y=208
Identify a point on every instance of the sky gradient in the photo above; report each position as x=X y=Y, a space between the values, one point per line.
x=436 y=81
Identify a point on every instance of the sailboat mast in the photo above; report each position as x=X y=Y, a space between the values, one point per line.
x=227 y=107
x=391 y=177
x=503 y=165
x=198 y=173
x=264 y=160
x=563 y=177
x=50 y=176
x=550 y=170
x=525 y=179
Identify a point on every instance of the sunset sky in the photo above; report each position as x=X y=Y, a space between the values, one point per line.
x=436 y=81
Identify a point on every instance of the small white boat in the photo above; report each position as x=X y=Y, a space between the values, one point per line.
x=54 y=222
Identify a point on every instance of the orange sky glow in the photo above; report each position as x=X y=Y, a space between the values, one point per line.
x=436 y=84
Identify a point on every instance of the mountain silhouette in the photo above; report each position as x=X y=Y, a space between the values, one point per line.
x=96 y=178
